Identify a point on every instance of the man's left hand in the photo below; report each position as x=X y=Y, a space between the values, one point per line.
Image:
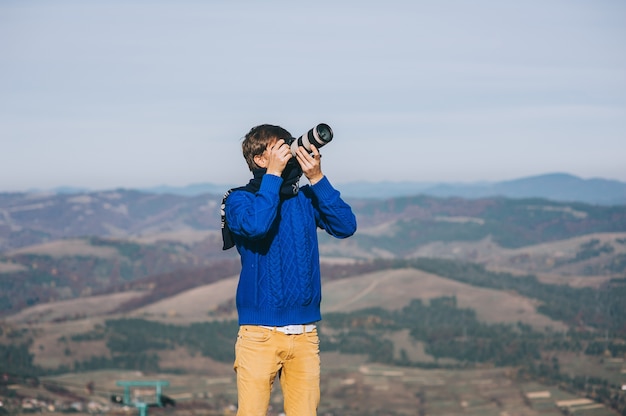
x=310 y=164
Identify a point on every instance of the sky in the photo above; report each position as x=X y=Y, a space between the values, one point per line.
x=135 y=93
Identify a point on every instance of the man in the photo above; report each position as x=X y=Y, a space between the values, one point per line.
x=273 y=222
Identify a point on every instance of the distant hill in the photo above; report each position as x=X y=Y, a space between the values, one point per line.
x=556 y=187
x=33 y=218
x=553 y=186
x=27 y=219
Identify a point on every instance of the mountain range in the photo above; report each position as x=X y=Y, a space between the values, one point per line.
x=35 y=218
x=554 y=186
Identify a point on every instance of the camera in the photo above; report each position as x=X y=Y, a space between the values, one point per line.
x=318 y=136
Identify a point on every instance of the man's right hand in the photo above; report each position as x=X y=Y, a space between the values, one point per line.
x=278 y=154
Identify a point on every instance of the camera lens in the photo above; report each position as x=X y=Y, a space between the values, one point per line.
x=324 y=132
x=318 y=136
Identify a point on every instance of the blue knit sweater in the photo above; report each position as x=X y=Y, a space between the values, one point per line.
x=276 y=238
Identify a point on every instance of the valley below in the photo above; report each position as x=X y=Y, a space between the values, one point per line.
x=437 y=306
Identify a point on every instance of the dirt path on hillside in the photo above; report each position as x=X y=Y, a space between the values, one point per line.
x=360 y=295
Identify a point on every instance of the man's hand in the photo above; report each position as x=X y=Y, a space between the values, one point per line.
x=310 y=164
x=278 y=154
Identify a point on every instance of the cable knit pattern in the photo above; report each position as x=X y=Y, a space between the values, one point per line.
x=277 y=240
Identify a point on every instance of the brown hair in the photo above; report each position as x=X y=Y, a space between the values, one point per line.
x=258 y=138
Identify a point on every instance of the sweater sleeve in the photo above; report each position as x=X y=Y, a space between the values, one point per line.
x=333 y=214
x=251 y=215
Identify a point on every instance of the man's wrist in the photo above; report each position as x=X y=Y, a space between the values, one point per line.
x=275 y=173
x=316 y=179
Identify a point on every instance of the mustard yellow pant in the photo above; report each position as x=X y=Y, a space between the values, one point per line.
x=261 y=354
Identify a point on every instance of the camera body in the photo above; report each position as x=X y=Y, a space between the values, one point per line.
x=318 y=136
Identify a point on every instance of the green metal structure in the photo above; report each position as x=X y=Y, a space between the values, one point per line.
x=142 y=406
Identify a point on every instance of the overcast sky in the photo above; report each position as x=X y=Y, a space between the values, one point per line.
x=107 y=94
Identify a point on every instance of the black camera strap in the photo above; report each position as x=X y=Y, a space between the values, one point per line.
x=227 y=235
